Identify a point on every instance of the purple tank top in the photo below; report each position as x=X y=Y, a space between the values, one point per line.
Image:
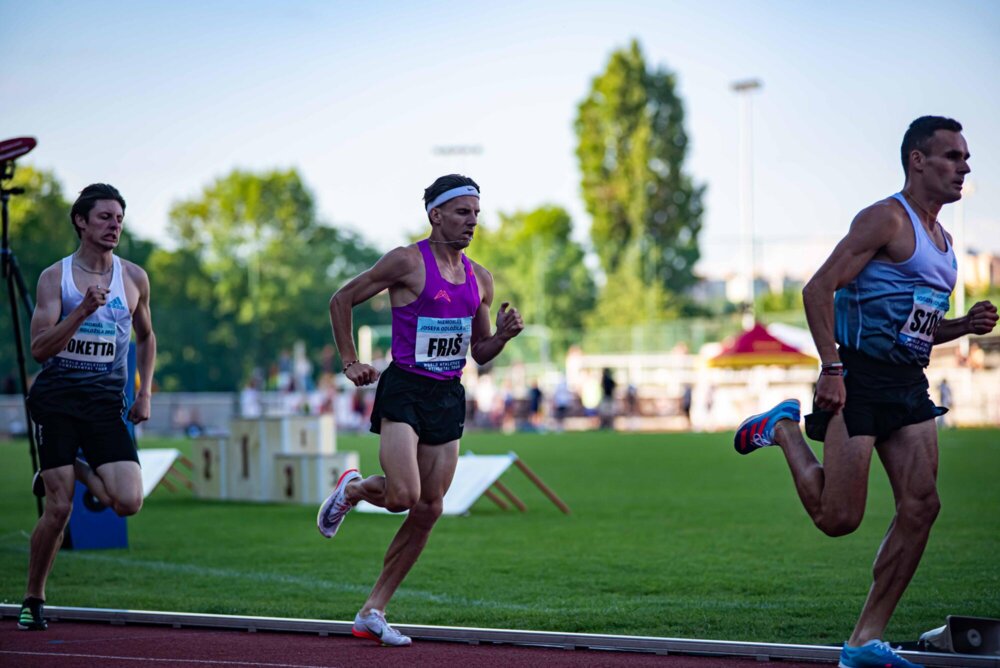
x=431 y=335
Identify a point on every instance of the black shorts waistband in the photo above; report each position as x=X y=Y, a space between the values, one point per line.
x=859 y=363
x=420 y=378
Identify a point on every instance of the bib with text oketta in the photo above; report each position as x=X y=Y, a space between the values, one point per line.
x=92 y=348
x=442 y=343
x=929 y=308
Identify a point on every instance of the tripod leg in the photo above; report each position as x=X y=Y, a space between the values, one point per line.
x=26 y=300
x=15 y=282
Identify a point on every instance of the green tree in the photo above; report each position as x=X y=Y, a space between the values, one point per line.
x=195 y=343
x=537 y=267
x=264 y=269
x=646 y=210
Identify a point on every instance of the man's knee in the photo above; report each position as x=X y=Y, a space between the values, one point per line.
x=426 y=513
x=57 y=510
x=840 y=523
x=919 y=511
x=125 y=507
x=398 y=500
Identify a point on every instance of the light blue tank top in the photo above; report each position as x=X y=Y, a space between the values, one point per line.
x=892 y=310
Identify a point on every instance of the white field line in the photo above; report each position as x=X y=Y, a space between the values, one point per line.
x=312 y=583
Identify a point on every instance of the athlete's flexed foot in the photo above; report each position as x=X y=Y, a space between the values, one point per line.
x=757 y=431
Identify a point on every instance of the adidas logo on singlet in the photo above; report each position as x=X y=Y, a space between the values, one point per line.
x=117 y=304
x=442 y=294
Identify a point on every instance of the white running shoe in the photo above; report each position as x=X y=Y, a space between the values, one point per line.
x=336 y=506
x=374 y=627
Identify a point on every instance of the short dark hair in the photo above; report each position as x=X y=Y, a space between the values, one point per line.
x=919 y=134
x=89 y=196
x=446 y=183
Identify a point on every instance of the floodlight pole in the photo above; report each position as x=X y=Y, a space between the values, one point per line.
x=744 y=89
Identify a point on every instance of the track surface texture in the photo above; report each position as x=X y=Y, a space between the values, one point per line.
x=84 y=645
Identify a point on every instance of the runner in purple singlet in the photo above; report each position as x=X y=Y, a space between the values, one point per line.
x=440 y=312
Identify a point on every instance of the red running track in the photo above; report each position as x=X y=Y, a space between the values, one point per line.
x=85 y=645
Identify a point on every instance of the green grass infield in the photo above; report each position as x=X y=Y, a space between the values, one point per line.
x=671 y=535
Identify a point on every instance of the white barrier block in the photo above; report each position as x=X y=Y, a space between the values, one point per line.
x=154 y=464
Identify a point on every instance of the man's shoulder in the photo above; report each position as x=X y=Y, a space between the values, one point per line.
x=51 y=275
x=133 y=271
x=482 y=273
x=407 y=256
x=886 y=214
x=888 y=209
x=54 y=269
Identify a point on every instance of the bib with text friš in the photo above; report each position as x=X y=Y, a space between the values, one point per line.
x=442 y=343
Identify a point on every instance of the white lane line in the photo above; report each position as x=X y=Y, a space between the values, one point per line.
x=311 y=582
x=146 y=659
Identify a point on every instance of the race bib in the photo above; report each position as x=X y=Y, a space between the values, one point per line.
x=442 y=343
x=929 y=307
x=92 y=348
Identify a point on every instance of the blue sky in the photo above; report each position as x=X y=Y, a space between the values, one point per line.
x=160 y=98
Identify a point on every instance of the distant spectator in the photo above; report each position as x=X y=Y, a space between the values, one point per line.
x=285 y=377
x=632 y=400
x=607 y=408
x=562 y=400
x=632 y=407
x=535 y=397
x=944 y=390
x=686 y=403
x=485 y=398
x=250 y=400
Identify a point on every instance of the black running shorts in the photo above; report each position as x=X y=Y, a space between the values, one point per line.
x=434 y=408
x=881 y=398
x=59 y=437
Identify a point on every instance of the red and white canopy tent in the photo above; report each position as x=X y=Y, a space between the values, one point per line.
x=757 y=346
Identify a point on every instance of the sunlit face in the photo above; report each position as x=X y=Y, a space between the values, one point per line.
x=455 y=221
x=103 y=226
x=943 y=168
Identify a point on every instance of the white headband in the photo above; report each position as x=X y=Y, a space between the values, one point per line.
x=460 y=191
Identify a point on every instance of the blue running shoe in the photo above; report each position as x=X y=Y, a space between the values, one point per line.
x=873 y=654
x=757 y=431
